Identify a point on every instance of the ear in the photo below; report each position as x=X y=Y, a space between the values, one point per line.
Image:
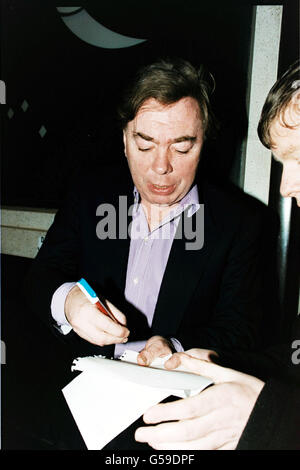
x=296 y=97
x=124 y=142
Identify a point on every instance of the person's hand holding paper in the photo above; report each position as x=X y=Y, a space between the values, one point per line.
x=206 y=421
x=109 y=395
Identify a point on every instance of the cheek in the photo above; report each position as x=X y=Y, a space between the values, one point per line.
x=290 y=179
x=138 y=166
x=187 y=170
x=288 y=173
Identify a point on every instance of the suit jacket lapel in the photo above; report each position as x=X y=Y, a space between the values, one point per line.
x=124 y=218
x=183 y=272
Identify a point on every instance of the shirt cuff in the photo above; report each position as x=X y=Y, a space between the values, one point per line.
x=132 y=345
x=58 y=307
x=139 y=345
x=176 y=344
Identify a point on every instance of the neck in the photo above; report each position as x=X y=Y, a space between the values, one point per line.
x=156 y=213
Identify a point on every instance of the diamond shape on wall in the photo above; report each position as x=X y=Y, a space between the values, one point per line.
x=24 y=106
x=42 y=131
x=10 y=113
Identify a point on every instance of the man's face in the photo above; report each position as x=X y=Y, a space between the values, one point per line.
x=162 y=144
x=286 y=149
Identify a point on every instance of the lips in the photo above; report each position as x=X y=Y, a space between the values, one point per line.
x=161 y=189
x=160 y=186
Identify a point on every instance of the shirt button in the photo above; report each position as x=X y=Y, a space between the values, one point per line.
x=135 y=280
x=146 y=239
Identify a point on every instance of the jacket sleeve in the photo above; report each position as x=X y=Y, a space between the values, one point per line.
x=59 y=261
x=274 y=423
x=56 y=261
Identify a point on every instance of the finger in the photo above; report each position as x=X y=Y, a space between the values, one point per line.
x=99 y=329
x=184 y=430
x=210 y=370
x=198 y=353
x=100 y=338
x=107 y=339
x=158 y=348
x=212 y=402
x=117 y=313
x=181 y=445
x=212 y=441
x=176 y=360
x=200 y=444
x=231 y=445
x=142 y=358
x=205 y=354
x=107 y=325
x=89 y=318
x=187 y=408
x=173 y=362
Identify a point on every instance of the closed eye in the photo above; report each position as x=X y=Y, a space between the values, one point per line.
x=183 y=147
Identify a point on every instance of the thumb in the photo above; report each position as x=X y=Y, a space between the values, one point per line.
x=205 y=354
x=208 y=369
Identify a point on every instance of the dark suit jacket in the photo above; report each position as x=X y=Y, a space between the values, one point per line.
x=274 y=423
x=210 y=298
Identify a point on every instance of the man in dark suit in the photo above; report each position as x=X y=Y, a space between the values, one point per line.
x=167 y=291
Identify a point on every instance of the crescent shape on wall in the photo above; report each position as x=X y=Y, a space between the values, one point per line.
x=86 y=28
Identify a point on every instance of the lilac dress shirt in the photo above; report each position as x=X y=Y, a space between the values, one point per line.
x=147 y=260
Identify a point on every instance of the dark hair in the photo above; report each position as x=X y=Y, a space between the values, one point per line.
x=167 y=81
x=277 y=101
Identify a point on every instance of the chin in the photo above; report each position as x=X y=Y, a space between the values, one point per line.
x=163 y=202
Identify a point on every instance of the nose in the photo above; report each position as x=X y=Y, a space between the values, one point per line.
x=287 y=182
x=161 y=162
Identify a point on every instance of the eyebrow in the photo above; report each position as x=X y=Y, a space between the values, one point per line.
x=184 y=138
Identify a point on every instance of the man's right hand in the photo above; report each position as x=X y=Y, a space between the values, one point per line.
x=92 y=325
x=213 y=419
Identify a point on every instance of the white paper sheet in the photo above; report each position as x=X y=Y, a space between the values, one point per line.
x=110 y=395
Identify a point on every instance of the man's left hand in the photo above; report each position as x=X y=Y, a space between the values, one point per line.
x=157 y=346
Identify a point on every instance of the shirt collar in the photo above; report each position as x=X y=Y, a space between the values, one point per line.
x=191 y=199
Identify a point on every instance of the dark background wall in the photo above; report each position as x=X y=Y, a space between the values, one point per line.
x=72 y=88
